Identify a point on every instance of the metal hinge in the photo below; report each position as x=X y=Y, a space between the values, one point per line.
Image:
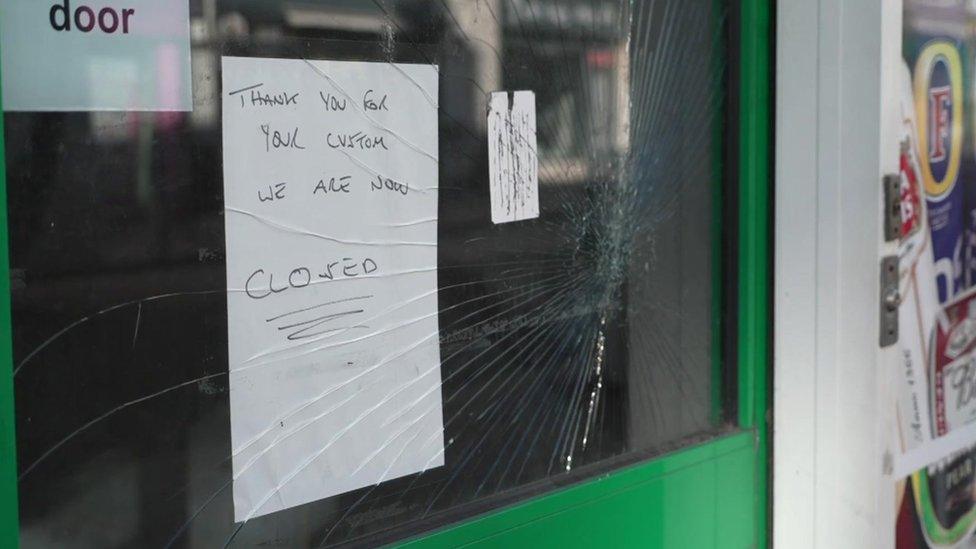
x=892 y=203
x=890 y=300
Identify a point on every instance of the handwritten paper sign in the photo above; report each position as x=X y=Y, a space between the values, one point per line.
x=78 y=55
x=513 y=164
x=330 y=182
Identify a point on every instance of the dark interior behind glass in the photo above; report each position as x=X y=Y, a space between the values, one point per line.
x=572 y=344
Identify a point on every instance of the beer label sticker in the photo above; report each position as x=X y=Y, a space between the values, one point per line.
x=938 y=109
x=76 y=55
x=513 y=163
x=955 y=390
x=911 y=202
x=953 y=374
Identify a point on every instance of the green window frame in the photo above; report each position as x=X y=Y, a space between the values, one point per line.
x=664 y=502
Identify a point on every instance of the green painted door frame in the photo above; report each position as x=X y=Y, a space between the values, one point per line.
x=711 y=495
x=9 y=525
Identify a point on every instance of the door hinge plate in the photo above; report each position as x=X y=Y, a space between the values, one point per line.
x=890 y=300
x=892 y=211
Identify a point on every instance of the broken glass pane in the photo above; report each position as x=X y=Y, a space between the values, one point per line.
x=588 y=338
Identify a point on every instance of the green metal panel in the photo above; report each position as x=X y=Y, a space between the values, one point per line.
x=753 y=213
x=754 y=264
x=698 y=497
x=9 y=529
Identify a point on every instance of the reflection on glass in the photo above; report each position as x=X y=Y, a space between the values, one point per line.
x=570 y=344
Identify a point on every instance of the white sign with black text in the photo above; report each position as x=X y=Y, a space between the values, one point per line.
x=107 y=55
x=330 y=181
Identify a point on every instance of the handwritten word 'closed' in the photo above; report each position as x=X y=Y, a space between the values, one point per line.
x=261 y=283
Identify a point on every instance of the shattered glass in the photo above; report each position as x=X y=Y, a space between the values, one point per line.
x=593 y=337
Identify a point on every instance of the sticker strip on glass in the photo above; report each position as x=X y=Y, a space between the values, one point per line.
x=513 y=163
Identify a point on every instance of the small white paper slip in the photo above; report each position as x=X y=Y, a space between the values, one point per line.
x=513 y=164
x=76 y=55
x=330 y=193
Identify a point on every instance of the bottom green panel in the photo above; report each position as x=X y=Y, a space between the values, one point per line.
x=699 y=497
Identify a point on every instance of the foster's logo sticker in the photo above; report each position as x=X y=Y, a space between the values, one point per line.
x=938 y=109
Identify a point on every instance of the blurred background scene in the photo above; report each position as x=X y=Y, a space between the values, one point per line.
x=581 y=341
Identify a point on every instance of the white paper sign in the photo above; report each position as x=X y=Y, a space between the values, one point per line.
x=80 y=55
x=330 y=181
x=513 y=165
